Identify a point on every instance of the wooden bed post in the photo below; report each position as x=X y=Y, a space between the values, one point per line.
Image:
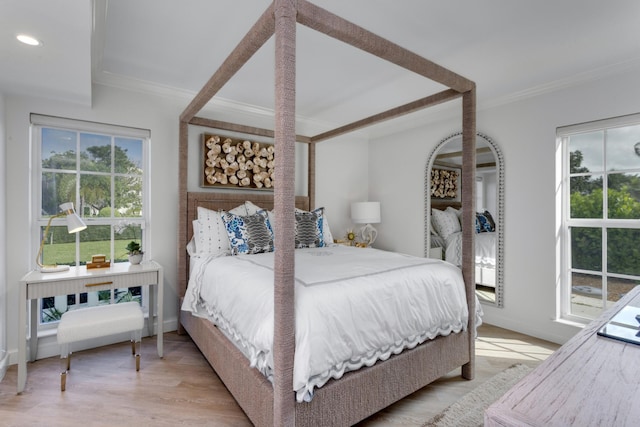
x=183 y=156
x=311 y=175
x=284 y=203
x=468 y=219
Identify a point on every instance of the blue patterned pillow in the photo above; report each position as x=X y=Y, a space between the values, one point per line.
x=251 y=234
x=482 y=223
x=309 y=229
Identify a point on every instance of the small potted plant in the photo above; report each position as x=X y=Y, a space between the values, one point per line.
x=134 y=250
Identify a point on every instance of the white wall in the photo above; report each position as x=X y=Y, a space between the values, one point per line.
x=3 y=247
x=160 y=115
x=525 y=131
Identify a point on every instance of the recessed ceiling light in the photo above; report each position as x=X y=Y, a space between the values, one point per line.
x=31 y=41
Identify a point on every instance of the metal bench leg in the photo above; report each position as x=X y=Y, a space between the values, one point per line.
x=65 y=365
x=136 y=338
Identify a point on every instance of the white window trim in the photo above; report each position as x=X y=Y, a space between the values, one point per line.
x=563 y=306
x=39 y=121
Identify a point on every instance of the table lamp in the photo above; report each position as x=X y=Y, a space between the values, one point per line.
x=366 y=213
x=74 y=225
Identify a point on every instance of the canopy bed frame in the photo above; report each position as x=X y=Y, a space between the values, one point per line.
x=357 y=394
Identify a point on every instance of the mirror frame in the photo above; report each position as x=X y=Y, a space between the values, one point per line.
x=499 y=300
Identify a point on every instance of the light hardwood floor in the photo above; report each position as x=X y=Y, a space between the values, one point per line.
x=103 y=388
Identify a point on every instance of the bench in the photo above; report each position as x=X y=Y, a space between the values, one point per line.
x=96 y=322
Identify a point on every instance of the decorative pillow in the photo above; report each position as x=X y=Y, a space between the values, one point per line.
x=251 y=234
x=492 y=222
x=210 y=233
x=482 y=223
x=445 y=222
x=458 y=212
x=309 y=229
x=326 y=231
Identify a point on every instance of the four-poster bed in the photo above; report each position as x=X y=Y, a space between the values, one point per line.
x=360 y=393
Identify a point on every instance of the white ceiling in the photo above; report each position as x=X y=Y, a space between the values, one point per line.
x=509 y=48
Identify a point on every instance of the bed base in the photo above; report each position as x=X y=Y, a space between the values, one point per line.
x=354 y=397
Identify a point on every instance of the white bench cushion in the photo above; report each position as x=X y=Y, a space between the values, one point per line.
x=99 y=321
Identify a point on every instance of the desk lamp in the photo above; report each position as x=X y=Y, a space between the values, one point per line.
x=74 y=225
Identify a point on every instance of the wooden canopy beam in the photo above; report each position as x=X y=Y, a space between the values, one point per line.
x=411 y=107
x=234 y=127
x=334 y=26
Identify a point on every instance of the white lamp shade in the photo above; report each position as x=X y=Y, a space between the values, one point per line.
x=74 y=222
x=365 y=212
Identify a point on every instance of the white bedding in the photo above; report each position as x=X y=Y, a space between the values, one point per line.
x=485 y=249
x=353 y=307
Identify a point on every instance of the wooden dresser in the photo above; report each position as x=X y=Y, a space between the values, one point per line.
x=589 y=381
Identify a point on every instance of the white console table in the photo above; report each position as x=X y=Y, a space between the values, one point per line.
x=36 y=285
x=589 y=381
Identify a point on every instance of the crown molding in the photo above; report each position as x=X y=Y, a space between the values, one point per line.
x=561 y=84
x=216 y=106
x=308 y=126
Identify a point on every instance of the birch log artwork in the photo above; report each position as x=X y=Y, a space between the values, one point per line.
x=444 y=183
x=237 y=163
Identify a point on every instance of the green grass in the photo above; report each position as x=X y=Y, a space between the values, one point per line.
x=65 y=253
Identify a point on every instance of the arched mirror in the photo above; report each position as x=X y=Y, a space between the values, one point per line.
x=443 y=237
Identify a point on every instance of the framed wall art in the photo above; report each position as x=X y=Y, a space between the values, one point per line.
x=444 y=183
x=238 y=163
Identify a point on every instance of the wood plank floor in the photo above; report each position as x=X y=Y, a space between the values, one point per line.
x=103 y=388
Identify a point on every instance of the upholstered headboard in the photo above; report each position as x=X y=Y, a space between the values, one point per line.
x=443 y=204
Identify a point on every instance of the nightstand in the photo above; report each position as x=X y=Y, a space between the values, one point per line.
x=435 y=252
x=36 y=285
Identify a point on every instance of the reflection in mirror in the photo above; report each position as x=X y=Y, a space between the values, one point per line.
x=443 y=236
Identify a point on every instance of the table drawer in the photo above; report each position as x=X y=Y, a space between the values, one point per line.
x=90 y=284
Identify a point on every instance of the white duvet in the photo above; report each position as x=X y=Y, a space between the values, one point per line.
x=485 y=249
x=353 y=307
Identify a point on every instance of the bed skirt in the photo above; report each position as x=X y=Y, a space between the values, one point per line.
x=342 y=402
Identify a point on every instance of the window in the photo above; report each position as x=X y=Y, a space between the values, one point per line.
x=102 y=170
x=600 y=230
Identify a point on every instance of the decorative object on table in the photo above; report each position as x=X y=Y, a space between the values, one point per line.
x=366 y=213
x=134 y=249
x=98 y=261
x=351 y=237
x=74 y=225
x=236 y=163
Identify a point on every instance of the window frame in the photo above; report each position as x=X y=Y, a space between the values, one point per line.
x=563 y=134
x=37 y=221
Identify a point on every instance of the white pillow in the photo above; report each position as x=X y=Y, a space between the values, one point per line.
x=445 y=222
x=210 y=235
x=250 y=207
x=458 y=212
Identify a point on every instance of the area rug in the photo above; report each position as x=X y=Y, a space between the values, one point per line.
x=469 y=411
